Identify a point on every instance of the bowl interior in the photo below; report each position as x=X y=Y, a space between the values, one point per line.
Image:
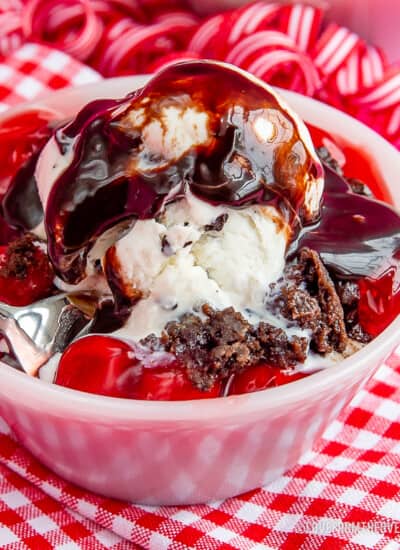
x=387 y=163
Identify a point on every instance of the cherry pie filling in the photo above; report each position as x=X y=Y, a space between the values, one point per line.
x=352 y=226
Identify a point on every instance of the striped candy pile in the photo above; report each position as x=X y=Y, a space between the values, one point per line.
x=286 y=45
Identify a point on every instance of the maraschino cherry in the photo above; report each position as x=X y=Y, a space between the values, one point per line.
x=21 y=136
x=261 y=377
x=379 y=301
x=105 y=365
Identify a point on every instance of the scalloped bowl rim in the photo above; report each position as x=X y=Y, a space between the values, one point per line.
x=220 y=408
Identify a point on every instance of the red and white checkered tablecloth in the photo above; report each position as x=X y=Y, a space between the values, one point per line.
x=343 y=494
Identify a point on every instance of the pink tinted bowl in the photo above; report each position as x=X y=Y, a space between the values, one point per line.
x=194 y=451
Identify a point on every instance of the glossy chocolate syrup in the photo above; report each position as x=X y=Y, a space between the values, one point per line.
x=250 y=152
x=356 y=235
x=26 y=133
x=22 y=207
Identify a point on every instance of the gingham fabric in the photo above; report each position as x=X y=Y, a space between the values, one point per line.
x=343 y=494
x=34 y=70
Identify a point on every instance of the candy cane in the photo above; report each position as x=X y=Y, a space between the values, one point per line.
x=273 y=60
x=280 y=43
x=206 y=33
x=348 y=76
x=172 y=58
x=333 y=48
x=80 y=44
x=251 y=18
x=372 y=66
x=303 y=23
x=137 y=38
x=393 y=126
x=384 y=95
x=259 y=40
x=264 y=18
x=177 y=18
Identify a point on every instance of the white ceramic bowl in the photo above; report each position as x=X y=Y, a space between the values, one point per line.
x=193 y=451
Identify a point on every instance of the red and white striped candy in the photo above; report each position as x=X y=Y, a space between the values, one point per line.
x=10 y=33
x=177 y=18
x=281 y=43
x=129 y=50
x=254 y=43
x=302 y=24
x=333 y=48
x=250 y=19
x=133 y=8
x=393 y=127
x=206 y=33
x=373 y=66
x=384 y=95
x=39 y=17
x=348 y=77
x=294 y=63
x=172 y=58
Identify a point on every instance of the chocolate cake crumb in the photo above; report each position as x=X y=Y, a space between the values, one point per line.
x=217 y=224
x=278 y=350
x=227 y=326
x=308 y=297
x=326 y=157
x=223 y=343
x=349 y=295
x=359 y=187
x=21 y=255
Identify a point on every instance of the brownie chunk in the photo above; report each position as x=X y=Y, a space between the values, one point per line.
x=349 y=295
x=326 y=157
x=221 y=343
x=308 y=298
x=359 y=187
x=21 y=255
x=278 y=349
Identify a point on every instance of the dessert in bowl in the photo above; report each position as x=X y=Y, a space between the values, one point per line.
x=196 y=208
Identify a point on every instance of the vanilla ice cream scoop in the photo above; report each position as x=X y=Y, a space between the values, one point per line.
x=198 y=129
x=195 y=254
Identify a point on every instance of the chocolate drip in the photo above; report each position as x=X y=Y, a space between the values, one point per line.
x=115 y=174
x=356 y=235
x=21 y=204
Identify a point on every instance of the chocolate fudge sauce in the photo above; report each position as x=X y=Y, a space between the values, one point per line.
x=113 y=176
x=355 y=235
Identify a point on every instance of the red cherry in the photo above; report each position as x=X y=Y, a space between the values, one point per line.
x=107 y=366
x=285 y=376
x=21 y=136
x=379 y=301
x=24 y=283
x=95 y=364
x=253 y=379
x=170 y=384
x=261 y=377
